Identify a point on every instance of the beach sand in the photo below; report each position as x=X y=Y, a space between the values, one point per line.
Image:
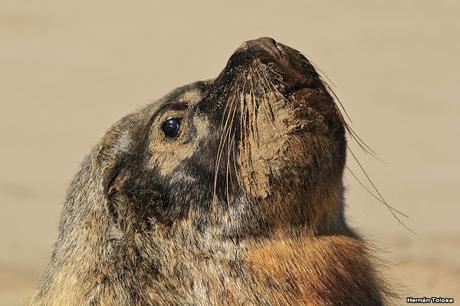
x=68 y=71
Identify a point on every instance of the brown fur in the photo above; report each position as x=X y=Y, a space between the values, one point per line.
x=243 y=207
x=315 y=271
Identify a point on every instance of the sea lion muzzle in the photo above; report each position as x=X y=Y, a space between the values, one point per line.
x=263 y=60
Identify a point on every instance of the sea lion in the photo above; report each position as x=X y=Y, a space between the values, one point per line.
x=227 y=191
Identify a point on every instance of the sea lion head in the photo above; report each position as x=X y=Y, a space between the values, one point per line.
x=260 y=147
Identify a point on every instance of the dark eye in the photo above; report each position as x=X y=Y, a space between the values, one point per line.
x=171 y=127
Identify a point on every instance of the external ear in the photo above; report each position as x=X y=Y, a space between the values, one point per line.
x=131 y=192
x=133 y=200
x=113 y=191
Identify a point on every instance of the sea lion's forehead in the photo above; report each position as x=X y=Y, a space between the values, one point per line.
x=189 y=94
x=180 y=99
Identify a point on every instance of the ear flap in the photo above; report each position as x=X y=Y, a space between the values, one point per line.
x=132 y=193
x=113 y=191
x=129 y=202
x=111 y=164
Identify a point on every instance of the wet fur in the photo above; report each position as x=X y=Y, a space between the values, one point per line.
x=245 y=207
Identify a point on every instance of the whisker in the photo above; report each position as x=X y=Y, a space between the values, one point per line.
x=364 y=146
x=221 y=146
x=235 y=166
x=229 y=146
x=281 y=95
x=254 y=124
x=326 y=81
x=269 y=111
x=360 y=142
x=379 y=196
x=371 y=182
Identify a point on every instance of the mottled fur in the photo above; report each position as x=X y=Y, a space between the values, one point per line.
x=244 y=207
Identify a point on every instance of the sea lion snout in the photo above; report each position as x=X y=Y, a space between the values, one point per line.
x=271 y=114
x=287 y=67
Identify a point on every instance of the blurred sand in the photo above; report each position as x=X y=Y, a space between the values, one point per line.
x=69 y=70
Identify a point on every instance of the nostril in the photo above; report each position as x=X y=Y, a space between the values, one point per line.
x=267 y=41
x=265 y=44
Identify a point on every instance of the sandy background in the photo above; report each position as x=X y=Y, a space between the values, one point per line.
x=69 y=70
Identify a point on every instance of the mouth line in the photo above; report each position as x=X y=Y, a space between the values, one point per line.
x=292 y=89
x=290 y=79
